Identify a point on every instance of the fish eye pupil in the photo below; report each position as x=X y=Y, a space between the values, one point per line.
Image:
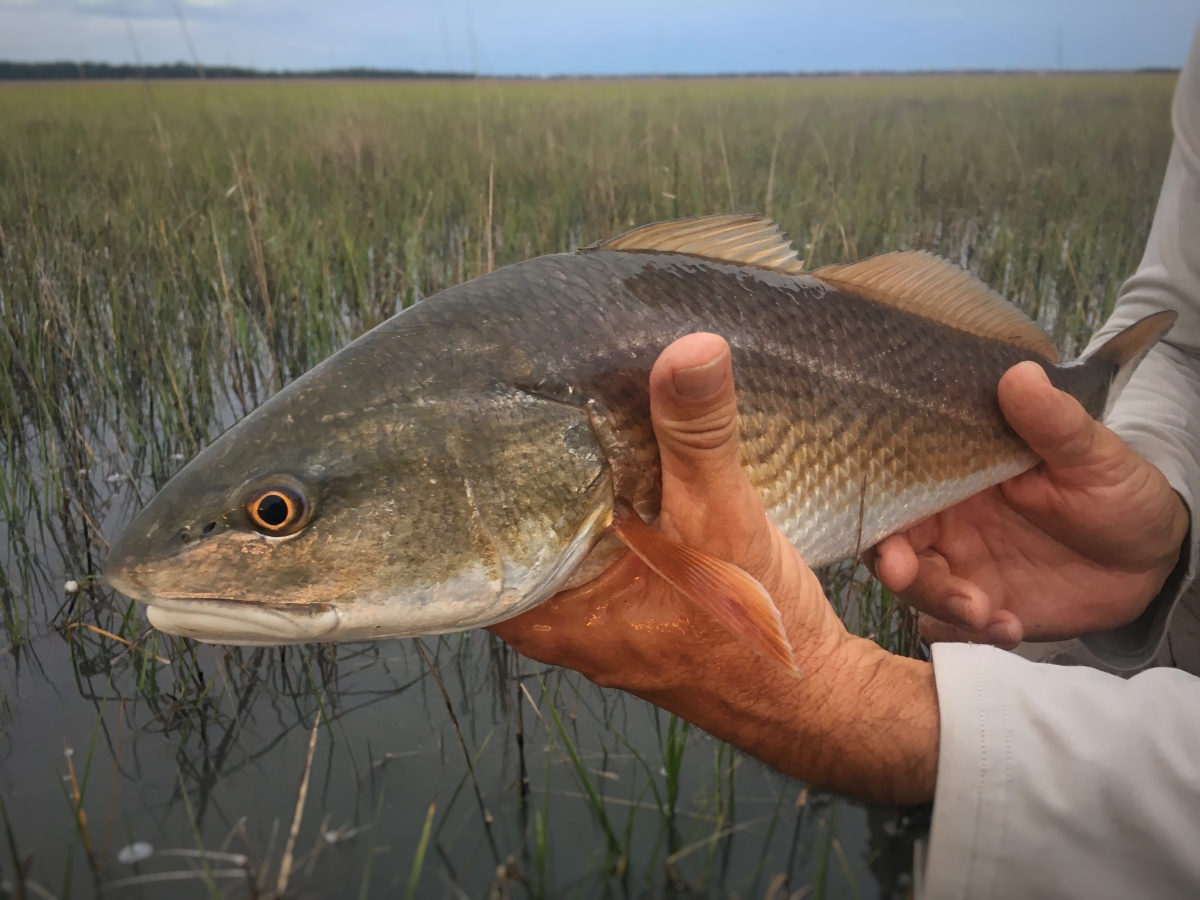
x=273 y=510
x=279 y=510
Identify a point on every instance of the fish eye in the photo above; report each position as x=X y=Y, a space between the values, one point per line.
x=278 y=510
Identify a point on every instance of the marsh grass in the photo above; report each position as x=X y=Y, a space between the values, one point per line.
x=171 y=254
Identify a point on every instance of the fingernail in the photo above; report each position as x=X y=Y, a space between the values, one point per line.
x=701 y=382
x=1003 y=633
x=962 y=611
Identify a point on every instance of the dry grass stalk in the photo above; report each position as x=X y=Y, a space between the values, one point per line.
x=491 y=259
x=285 y=864
x=77 y=798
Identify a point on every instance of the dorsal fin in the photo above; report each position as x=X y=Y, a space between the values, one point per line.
x=746 y=240
x=934 y=288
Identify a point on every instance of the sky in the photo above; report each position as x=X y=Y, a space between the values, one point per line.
x=613 y=37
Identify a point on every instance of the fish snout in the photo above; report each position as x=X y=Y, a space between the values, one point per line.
x=122 y=570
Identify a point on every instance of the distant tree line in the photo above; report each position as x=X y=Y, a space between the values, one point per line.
x=77 y=71
x=83 y=71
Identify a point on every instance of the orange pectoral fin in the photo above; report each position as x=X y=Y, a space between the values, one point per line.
x=728 y=594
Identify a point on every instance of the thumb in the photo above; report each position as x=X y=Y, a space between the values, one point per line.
x=1053 y=423
x=708 y=501
x=694 y=409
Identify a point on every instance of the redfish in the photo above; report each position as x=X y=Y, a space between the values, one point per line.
x=492 y=445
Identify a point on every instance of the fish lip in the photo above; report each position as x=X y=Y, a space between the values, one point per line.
x=283 y=607
x=244 y=622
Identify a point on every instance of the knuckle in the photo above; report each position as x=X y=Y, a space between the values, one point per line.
x=708 y=432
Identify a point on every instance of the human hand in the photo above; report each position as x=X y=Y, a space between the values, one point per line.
x=859 y=720
x=1079 y=544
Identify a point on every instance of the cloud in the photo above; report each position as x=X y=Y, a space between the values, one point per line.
x=533 y=37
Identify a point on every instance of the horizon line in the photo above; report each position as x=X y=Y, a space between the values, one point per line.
x=67 y=70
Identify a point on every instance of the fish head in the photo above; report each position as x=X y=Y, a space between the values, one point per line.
x=391 y=517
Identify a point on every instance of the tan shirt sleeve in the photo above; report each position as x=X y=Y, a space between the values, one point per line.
x=1063 y=781
x=1158 y=413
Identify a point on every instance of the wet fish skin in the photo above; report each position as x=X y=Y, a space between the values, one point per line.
x=464 y=457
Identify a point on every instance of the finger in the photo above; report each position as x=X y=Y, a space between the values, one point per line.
x=894 y=563
x=536 y=633
x=924 y=534
x=869 y=558
x=553 y=644
x=1004 y=631
x=943 y=595
x=1053 y=423
x=622 y=580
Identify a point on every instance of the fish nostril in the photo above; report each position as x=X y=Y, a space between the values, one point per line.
x=208 y=529
x=183 y=536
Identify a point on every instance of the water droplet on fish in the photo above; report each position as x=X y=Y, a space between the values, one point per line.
x=135 y=853
x=433 y=481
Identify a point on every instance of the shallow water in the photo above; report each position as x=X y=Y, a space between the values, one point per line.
x=211 y=762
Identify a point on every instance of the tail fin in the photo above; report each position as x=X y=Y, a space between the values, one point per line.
x=1122 y=353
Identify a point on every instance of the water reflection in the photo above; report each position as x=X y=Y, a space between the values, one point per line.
x=516 y=779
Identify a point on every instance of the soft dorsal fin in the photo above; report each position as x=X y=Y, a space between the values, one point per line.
x=934 y=288
x=746 y=240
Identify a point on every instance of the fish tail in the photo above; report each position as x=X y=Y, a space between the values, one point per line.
x=1097 y=379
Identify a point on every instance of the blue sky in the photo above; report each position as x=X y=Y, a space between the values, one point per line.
x=538 y=37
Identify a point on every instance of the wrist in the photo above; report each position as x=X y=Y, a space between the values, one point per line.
x=860 y=720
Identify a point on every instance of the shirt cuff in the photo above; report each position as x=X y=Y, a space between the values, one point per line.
x=974 y=768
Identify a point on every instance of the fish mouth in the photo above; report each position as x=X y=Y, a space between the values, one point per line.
x=221 y=620
x=214 y=620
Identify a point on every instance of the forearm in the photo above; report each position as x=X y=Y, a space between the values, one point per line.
x=861 y=721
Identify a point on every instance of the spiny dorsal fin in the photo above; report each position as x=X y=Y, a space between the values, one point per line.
x=934 y=288
x=746 y=240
